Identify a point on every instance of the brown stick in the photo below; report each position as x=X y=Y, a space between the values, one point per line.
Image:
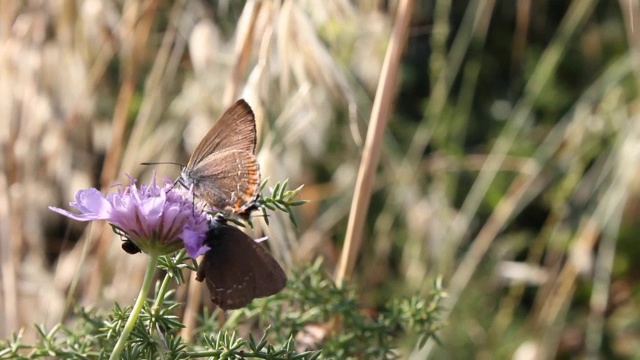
x=373 y=144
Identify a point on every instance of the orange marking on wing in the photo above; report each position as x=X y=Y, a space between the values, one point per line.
x=238 y=204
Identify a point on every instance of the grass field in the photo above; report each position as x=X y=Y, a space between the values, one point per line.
x=494 y=144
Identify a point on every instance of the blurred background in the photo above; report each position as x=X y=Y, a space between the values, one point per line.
x=509 y=165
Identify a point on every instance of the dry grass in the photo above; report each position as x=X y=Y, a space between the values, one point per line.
x=91 y=89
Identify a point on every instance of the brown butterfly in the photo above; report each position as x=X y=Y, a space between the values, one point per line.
x=223 y=169
x=237 y=269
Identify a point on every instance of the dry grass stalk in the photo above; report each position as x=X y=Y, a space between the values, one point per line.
x=373 y=143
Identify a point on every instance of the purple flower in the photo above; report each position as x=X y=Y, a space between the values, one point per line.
x=157 y=219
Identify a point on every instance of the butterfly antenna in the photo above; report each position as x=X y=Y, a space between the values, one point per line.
x=162 y=163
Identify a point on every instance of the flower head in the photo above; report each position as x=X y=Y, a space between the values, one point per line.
x=157 y=219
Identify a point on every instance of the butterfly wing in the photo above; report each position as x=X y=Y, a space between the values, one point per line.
x=236 y=269
x=227 y=180
x=235 y=130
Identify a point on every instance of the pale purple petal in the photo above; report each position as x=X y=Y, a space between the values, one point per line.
x=152 y=209
x=79 y=217
x=194 y=242
x=91 y=203
x=120 y=203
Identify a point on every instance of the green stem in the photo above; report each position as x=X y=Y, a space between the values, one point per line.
x=137 y=307
x=159 y=297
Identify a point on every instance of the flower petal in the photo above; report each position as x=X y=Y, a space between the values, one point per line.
x=79 y=217
x=91 y=201
x=92 y=205
x=194 y=242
